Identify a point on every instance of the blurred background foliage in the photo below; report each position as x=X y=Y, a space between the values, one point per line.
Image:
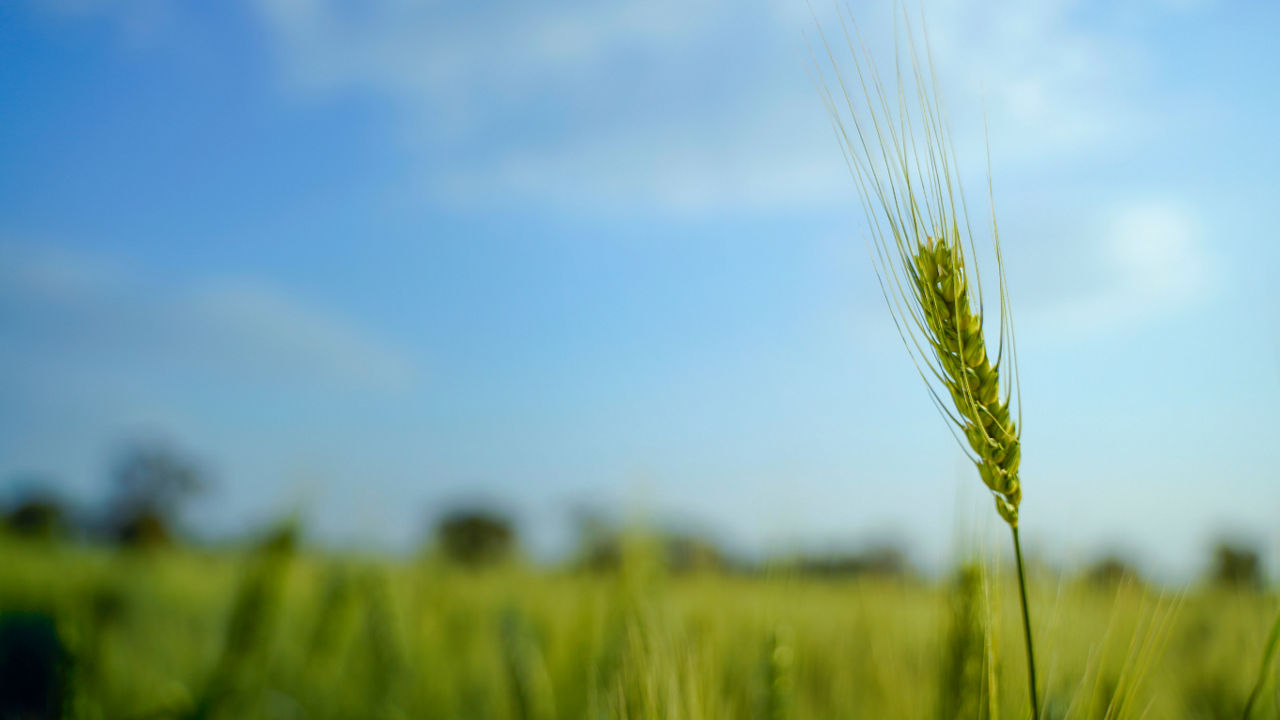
x=118 y=614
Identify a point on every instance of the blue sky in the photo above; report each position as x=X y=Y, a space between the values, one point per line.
x=368 y=259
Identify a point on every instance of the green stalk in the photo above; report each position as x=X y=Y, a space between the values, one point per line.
x=1026 y=628
x=1268 y=654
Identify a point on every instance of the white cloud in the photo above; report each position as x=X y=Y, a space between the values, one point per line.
x=580 y=105
x=670 y=167
x=66 y=307
x=1153 y=266
x=261 y=328
x=142 y=23
x=58 y=276
x=1056 y=78
x=452 y=66
x=689 y=107
x=574 y=103
x=532 y=102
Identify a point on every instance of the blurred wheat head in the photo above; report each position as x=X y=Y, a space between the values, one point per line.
x=899 y=151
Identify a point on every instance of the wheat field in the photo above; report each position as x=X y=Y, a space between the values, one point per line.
x=127 y=621
x=273 y=633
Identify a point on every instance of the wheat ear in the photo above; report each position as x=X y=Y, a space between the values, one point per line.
x=900 y=155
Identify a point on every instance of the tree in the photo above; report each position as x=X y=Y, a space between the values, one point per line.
x=603 y=546
x=475 y=537
x=37 y=511
x=1235 y=565
x=884 y=560
x=41 y=517
x=1110 y=570
x=151 y=482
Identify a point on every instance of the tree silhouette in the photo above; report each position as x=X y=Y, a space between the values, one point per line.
x=38 y=511
x=475 y=536
x=1236 y=565
x=151 y=482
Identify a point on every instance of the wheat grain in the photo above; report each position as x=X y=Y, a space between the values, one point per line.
x=955 y=334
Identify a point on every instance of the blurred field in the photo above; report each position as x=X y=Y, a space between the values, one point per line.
x=272 y=633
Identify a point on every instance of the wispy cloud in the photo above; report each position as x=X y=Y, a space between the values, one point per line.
x=688 y=107
x=76 y=308
x=261 y=328
x=666 y=166
x=1152 y=264
x=140 y=23
x=579 y=103
x=584 y=104
x=1049 y=79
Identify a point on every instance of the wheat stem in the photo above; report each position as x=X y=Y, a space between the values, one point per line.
x=1026 y=626
x=1268 y=654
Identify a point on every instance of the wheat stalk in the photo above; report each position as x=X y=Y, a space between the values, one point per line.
x=901 y=157
x=1264 y=669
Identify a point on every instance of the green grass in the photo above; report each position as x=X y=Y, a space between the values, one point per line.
x=182 y=633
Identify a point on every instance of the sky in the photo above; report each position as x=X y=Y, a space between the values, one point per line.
x=366 y=261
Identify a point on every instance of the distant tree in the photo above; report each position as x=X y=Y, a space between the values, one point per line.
x=35 y=509
x=1235 y=565
x=602 y=546
x=599 y=542
x=685 y=552
x=475 y=537
x=38 y=513
x=604 y=554
x=878 y=561
x=1109 y=570
x=143 y=527
x=151 y=482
